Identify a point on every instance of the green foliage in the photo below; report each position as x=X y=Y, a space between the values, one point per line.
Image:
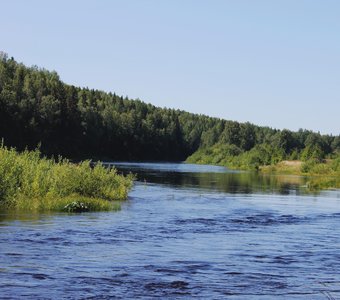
x=28 y=181
x=294 y=155
x=284 y=140
x=335 y=165
x=312 y=152
x=336 y=144
x=311 y=166
x=233 y=157
x=216 y=154
x=316 y=166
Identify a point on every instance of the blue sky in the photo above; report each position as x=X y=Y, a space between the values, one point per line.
x=273 y=63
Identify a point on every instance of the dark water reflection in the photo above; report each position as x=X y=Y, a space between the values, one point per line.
x=215 y=178
x=184 y=233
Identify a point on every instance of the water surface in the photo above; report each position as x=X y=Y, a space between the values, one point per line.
x=186 y=231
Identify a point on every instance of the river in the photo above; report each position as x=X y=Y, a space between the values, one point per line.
x=186 y=231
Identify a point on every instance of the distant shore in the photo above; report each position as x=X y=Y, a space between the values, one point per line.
x=322 y=175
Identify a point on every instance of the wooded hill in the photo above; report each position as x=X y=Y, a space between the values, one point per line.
x=37 y=108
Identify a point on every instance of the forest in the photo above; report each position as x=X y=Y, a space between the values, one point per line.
x=39 y=110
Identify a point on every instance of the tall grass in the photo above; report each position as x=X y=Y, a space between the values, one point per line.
x=29 y=181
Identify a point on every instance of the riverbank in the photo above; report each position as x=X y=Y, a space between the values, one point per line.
x=322 y=173
x=31 y=182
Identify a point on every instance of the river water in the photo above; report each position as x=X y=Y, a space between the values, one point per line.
x=186 y=231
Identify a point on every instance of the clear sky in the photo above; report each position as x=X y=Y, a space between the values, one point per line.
x=274 y=63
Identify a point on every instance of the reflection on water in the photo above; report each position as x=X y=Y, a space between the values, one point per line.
x=214 y=178
x=185 y=232
x=26 y=218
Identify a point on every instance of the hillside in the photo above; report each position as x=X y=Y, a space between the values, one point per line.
x=37 y=108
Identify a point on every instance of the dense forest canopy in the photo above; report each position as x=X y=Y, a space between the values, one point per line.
x=37 y=108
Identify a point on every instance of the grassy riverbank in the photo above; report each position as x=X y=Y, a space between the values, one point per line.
x=324 y=173
x=31 y=182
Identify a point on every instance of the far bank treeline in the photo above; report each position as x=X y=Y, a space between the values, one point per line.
x=37 y=108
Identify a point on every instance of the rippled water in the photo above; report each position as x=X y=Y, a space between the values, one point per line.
x=186 y=231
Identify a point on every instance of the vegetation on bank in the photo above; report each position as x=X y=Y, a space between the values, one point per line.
x=235 y=158
x=311 y=161
x=31 y=182
x=322 y=173
x=314 y=160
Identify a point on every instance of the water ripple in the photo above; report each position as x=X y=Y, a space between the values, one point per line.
x=176 y=241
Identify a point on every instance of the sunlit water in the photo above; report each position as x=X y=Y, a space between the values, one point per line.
x=186 y=231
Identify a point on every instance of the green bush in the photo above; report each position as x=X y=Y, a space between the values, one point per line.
x=27 y=178
x=307 y=166
x=233 y=157
x=312 y=152
x=336 y=165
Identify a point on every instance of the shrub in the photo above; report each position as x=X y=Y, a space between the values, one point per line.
x=27 y=178
x=312 y=152
x=336 y=165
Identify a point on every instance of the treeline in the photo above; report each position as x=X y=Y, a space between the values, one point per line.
x=37 y=108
